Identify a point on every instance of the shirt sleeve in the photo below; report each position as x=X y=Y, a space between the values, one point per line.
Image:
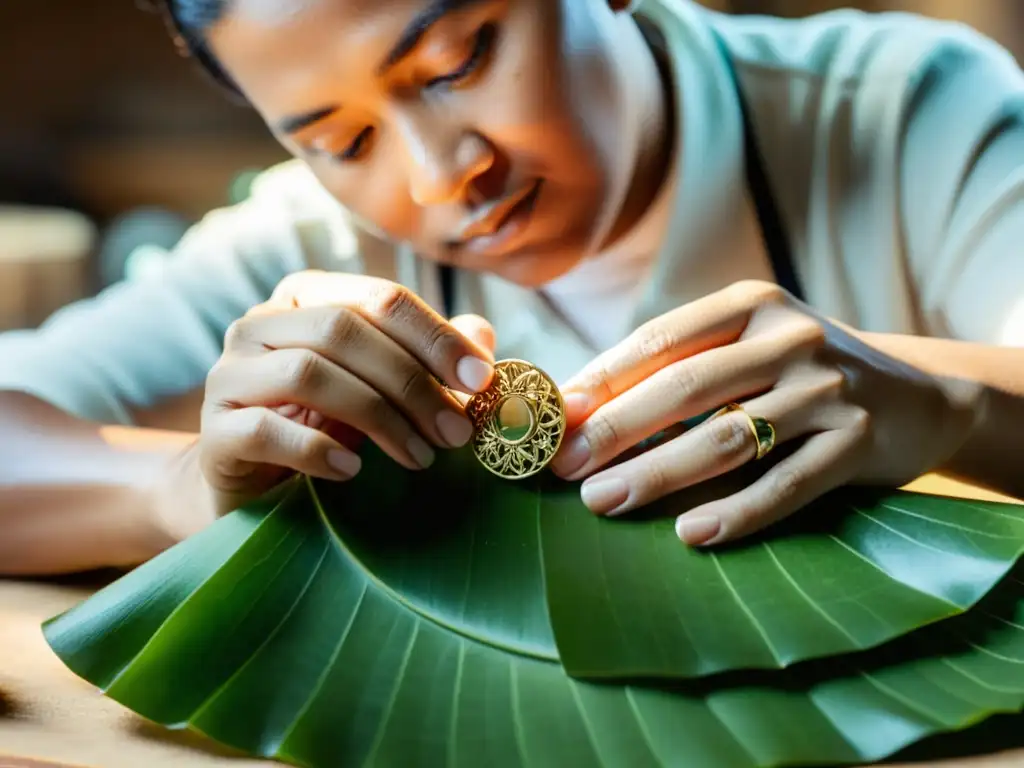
x=962 y=189
x=141 y=341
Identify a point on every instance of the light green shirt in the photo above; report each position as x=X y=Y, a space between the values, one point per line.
x=894 y=145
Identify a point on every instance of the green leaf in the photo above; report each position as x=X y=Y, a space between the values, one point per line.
x=851 y=572
x=626 y=599
x=389 y=622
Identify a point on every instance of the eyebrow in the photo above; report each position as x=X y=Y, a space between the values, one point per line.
x=419 y=26
x=296 y=123
x=411 y=36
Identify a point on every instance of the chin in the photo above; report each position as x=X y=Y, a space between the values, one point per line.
x=536 y=269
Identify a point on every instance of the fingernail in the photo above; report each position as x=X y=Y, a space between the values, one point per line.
x=289 y=410
x=422 y=453
x=697 y=530
x=573 y=456
x=345 y=463
x=604 y=495
x=474 y=373
x=456 y=430
x=576 y=405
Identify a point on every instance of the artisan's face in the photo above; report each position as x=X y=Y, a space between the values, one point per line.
x=486 y=139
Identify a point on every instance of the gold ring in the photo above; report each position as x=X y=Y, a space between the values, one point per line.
x=762 y=429
x=518 y=422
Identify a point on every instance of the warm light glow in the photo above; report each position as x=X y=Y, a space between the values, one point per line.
x=1013 y=329
x=144 y=440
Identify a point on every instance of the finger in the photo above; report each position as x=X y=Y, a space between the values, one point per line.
x=402 y=315
x=713 y=321
x=671 y=395
x=238 y=442
x=478 y=330
x=300 y=415
x=303 y=377
x=719 y=445
x=826 y=461
x=350 y=341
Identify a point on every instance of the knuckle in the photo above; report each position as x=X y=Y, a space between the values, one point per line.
x=860 y=422
x=654 y=342
x=302 y=370
x=307 y=449
x=729 y=435
x=602 y=432
x=218 y=374
x=415 y=382
x=438 y=339
x=390 y=301
x=688 y=380
x=256 y=429
x=293 y=284
x=809 y=333
x=657 y=479
x=830 y=384
x=338 y=328
x=834 y=379
x=597 y=379
x=379 y=411
x=238 y=333
x=752 y=293
x=786 y=484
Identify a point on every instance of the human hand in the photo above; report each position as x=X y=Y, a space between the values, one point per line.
x=330 y=358
x=862 y=417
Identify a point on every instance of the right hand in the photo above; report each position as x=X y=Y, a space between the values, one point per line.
x=329 y=358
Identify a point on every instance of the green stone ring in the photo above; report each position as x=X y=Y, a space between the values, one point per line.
x=762 y=429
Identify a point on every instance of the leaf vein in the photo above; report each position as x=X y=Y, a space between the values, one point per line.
x=266 y=641
x=378 y=738
x=746 y=610
x=949 y=524
x=323 y=675
x=517 y=718
x=807 y=598
x=911 y=539
x=453 y=728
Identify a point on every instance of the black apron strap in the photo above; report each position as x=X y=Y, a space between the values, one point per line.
x=776 y=240
x=448 y=289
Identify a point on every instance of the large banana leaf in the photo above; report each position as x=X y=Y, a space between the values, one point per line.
x=393 y=622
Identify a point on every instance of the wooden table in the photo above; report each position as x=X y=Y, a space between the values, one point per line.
x=48 y=714
x=44 y=263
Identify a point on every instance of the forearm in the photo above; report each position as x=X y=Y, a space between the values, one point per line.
x=76 y=496
x=990 y=381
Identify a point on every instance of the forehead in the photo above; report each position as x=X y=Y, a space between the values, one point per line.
x=271 y=11
x=290 y=44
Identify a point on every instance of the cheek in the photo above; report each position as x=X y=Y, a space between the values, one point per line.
x=533 y=104
x=376 y=192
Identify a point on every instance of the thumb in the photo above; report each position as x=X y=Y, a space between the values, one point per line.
x=477 y=330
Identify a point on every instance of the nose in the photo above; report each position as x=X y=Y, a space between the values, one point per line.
x=444 y=161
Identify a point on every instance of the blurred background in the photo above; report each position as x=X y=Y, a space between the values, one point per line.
x=111 y=145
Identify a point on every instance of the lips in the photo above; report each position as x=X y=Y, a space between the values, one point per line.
x=489 y=222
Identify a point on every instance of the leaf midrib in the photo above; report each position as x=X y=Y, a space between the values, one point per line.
x=409 y=605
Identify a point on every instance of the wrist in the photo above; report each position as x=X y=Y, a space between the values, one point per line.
x=178 y=500
x=986 y=454
x=967 y=413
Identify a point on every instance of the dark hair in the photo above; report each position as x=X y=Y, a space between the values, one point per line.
x=187 y=21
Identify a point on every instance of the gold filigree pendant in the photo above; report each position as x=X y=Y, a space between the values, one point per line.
x=519 y=421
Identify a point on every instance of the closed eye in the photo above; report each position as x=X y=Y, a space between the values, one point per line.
x=359 y=144
x=482 y=46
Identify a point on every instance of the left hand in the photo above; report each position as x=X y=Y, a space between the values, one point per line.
x=862 y=417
